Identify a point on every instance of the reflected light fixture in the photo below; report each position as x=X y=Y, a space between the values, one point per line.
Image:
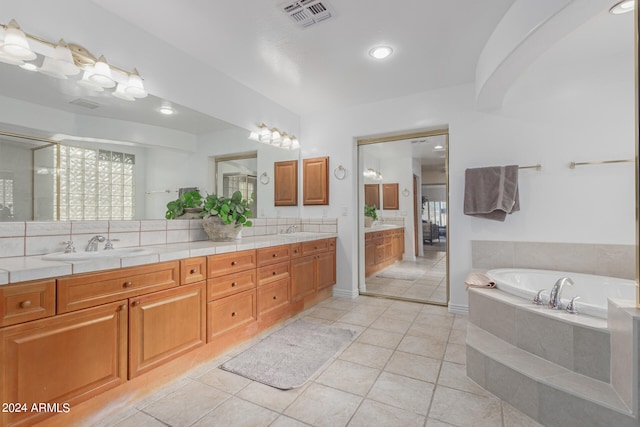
x=372 y=174
x=61 y=60
x=167 y=110
x=380 y=52
x=622 y=7
x=274 y=137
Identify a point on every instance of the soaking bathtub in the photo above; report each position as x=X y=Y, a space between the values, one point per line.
x=593 y=290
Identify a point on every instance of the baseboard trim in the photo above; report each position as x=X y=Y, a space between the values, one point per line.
x=341 y=293
x=458 y=309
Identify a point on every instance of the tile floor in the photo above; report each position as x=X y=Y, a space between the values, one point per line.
x=430 y=287
x=406 y=367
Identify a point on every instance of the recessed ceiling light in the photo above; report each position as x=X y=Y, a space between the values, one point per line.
x=380 y=52
x=438 y=147
x=29 y=66
x=622 y=7
x=167 y=110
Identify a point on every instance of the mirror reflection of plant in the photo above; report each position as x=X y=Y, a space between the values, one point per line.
x=231 y=210
x=370 y=211
x=190 y=199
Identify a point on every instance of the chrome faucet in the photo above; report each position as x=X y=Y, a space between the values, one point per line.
x=556 y=292
x=92 y=246
x=291 y=229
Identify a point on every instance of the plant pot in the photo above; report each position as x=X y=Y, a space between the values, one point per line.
x=218 y=231
x=190 y=213
x=368 y=221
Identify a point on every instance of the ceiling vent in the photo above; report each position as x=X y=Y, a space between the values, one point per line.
x=307 y=12
x=85 y=103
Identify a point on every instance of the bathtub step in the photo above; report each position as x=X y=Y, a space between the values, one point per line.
x=540 y=388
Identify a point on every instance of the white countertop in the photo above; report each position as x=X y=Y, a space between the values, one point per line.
x=20 y=269
x=382 y=227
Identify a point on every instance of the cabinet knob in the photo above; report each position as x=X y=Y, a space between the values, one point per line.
x=136 y=302
x=126 y=284
x=233 y=284
x=193 y=271
x=233 y=314
x=275 y=255
x=233 y=262
x=123 y=307
x=25 y=304
x=274 y=273
x=295 y=251
x=275 y=297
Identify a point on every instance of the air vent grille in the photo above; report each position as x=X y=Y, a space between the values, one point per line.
x=307 y=12
x=85 y=103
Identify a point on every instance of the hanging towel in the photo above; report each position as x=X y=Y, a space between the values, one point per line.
x=491 y=192
x=478 y=280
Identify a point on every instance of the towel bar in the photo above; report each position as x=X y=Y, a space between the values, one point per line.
x=573 y=165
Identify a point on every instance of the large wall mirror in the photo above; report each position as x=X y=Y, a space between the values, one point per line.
x=70 y=154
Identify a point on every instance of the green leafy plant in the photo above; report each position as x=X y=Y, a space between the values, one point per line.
x=370 y=211
x=190 y=199
x=231 y=210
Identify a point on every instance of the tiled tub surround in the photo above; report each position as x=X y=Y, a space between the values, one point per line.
x=599 y=259
x=558 y=368
x=22 y=244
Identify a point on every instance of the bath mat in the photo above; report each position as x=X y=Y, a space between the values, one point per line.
x=401 y=273
x=289 y=357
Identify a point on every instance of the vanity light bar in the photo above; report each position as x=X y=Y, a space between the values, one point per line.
x=274 y=137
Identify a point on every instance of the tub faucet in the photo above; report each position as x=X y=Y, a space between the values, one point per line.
x=556 y=292
x=92 y=246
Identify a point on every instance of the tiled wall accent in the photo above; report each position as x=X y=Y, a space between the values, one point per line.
x=624 y=321
x=393 y=220
x=603 y=260
x=36 y=238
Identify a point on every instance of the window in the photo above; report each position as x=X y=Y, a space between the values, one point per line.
x=435 y=212
x=6 y=196
x=96 y=184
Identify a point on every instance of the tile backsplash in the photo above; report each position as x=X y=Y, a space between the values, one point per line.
x=37 y=238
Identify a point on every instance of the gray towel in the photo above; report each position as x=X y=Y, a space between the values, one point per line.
x=491 y=192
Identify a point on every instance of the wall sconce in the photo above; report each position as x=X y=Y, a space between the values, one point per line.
x=274 y=137
x=62 y=60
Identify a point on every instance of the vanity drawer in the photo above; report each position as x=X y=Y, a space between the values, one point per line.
x=27 y=301
x=193 y=270
x=315 y=246
x=222 y=264
x=296 y=250
x=230 y=284
x=273 y=272
x=88 y=290
x=331 y=244
x=272 y=296
x=231 y=312
x=274 y=254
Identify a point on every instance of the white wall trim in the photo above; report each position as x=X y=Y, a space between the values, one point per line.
x=458 y=309
x=341 y=293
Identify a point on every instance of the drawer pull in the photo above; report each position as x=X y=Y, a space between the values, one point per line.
x=275 y=297
x=25 y=304
x=193 y=271
x=233 y=284
x=295 y=251
x=315 y=247
x=126 y=284
x=274 y=273
x=123 y=307
x=234 y=262
x=233 y=314
x=136 y=302
x=275 y=255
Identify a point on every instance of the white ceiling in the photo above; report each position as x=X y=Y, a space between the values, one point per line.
x=436 y=44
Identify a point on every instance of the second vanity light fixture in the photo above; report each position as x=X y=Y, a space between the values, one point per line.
x=274 y=137
x=63 y=59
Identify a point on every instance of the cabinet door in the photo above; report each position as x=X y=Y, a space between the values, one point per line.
x=232 y=312
x=369 y=257
x=325 y=270
x=372 y=195
x=302 y=277
x=390 y=196
x=193 y=270
x=63 y=359
x=164 y=325
x=315 y=181
x=285 y=183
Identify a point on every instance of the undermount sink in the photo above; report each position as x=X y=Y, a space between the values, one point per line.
x=85 y=256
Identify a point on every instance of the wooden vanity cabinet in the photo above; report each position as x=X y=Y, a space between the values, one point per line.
x=315 y=176
x=285 y=183
x=390 y=197
x=193 y=270
x=315 y=269
x=22 y=302
x=381 y=249
x=63 y=359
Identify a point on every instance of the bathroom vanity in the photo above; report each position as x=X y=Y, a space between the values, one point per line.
x=123 y=332
x=383 y=245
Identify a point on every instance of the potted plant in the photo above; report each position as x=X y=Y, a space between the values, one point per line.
x=224 y=217
x=370 y=215
x=187 y=206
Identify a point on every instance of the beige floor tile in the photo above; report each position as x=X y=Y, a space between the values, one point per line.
x=238 y=413
x=437 y=310
x=349 y=377
x=383 y=302
x=458 y=336
x=391 y=325
x=454 y=375
x=423 y=346
x=367 y=355
x=400 y=314
x=356 y=328
x=456 y=353
x=270 y=397
x=402 y=392
x=187 y=404
x=323 y=406
x=115 y=418
x=369 y=309
x=414 y=366
x=465 y=409
x=372 y=413
x=224 y=380
x=514 y=418
x=327 y=313
x=423 y=330
x=139 y=419
x=380 y=338
x=435 y=320
x=361 y=319
x=460 y=322
x=162 y=392
x=317 y=320
x=339 y=304
x=407 y=306
x=436 y=423
x=284 y=421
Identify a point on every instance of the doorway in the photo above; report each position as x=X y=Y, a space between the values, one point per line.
x=416 y=269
